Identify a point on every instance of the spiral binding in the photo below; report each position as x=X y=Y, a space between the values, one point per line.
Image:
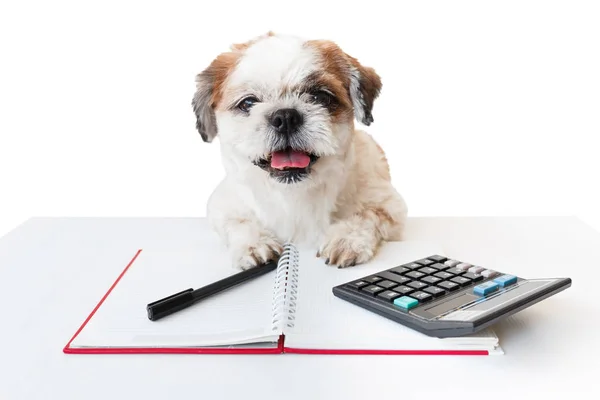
x=285 y=292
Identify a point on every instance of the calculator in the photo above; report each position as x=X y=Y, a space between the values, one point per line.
x=444 y=297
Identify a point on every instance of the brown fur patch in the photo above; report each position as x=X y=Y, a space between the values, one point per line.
x=335 y=61
x=340 y=64
x=335 y=76
x=341 y=108
x=221 y=68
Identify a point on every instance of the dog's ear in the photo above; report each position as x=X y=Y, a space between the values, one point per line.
x=209 y=85
x=202 y=104
x=365 y=86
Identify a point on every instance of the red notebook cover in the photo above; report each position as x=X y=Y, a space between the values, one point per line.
x=280 y=349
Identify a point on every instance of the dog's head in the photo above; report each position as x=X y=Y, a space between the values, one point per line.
x=283 y=103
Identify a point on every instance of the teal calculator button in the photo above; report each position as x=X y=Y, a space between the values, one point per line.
x=406 y=302
x=505 y=280
x=486 y=288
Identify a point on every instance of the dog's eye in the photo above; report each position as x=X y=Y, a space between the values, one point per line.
x=321 y=97
x=246 y=104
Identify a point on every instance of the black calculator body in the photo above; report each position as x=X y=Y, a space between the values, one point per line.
x=443 y=297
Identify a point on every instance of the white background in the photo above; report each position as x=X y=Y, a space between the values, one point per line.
x=488 y=108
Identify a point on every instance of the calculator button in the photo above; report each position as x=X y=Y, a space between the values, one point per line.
x=404 y=290
x=443 y=275
x=434 y=291
x=400 y=279
x=485 y=288
x=373 y=290
x=463 y=266
x=393 y=277
x=422 y=296
x=439 y=266
x=386 y=284
x=412 y=266
x=437 y=258
x=425 y=262
x=489 y=273
x=454 y=271
x=428 y=270
x=415 y=275
x=476 y=269
x=461 y=280
x=406 y=302
x=431 y=280
x=372 y=279
x=506 y=280
x=358 y=284
x=417 y=285
x=449 y=286
x=471 y=276
x=399 y=270
x=451 y=263
x=388 y=295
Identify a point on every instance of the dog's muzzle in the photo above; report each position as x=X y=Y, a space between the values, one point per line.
x=289 y=160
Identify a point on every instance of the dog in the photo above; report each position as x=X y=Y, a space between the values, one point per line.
x=296 y=167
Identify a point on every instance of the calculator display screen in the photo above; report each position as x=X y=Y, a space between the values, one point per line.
x=468 y=306
x=457 y=302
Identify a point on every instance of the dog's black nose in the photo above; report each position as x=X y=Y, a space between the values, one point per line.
x=286 y=120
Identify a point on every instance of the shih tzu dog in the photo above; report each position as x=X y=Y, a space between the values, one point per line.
x=296 y=167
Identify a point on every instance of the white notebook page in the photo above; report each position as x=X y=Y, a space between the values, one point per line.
x=240 y=315
x=324 y=321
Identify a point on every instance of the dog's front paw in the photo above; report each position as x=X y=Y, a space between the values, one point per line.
x=251 y=254
x=346 y=247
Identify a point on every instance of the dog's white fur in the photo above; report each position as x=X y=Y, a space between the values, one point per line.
x=345 y=208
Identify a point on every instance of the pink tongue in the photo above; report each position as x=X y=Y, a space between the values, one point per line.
x=289 y=159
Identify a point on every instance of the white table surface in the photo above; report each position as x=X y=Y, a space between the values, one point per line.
x=54 y=271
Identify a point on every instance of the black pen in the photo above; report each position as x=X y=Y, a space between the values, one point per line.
x=178 y=301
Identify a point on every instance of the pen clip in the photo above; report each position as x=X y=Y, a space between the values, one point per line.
x=170 y=304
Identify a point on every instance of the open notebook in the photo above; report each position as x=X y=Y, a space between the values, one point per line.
x=291 y=310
